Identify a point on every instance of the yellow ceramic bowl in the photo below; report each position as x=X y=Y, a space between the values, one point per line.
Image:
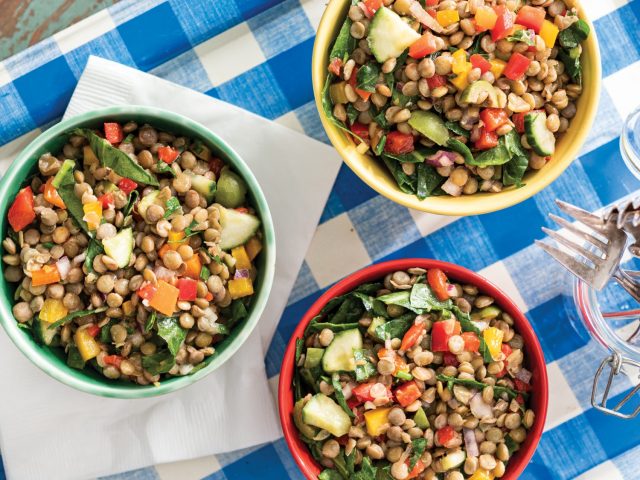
x=375 y=174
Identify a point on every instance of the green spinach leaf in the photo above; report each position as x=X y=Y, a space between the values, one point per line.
x=406 y=183
x=334 y=327
x=344 y=43
x=456 y=128
x=133 y=198
x=422 y=297
x=335 y=382
x=526 y=36
x=395 y=328
x=205 y=273
x=93 y=250
x=402 y=299
x=172 y=205
x=418 y=447
x=367 y=77
x=160 y=362
x=234 y=313
x=162 y=167
x=364 y=365
x=74 y=359
x=511 y=444
x=367 y=470
x=170 y=331
x=352 y=114
x=461 y=148
x=494 y=156
x=380 y=145
x=66 y=189
x=330 y=474
x=151 y=321
x=372 y=304
x=115 y=159
x=575 y=34
x=73 y=315
x=498 y=390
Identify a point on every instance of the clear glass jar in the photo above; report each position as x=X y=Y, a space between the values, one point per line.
x=630 y=143
x=613 y=320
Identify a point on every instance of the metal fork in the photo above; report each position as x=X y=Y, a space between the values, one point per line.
x=597 y=259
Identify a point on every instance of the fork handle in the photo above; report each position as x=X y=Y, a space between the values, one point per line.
x=628 y=284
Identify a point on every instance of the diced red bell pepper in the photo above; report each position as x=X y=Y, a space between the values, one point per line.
x=147 y=292
x=93 y=330
x=411 y=337
x=445 y=436
x=521 y=386
x=516 y=66
x=518 y=119
x=504 y=24
x=417 y=469
x=531 y=17
x=335 y=65
x=362 y=392
x=493 y=118
x=168 y=154
x=216 y=165
x=424 y=46
x=360 y=130
x=441 y=331
x=373 y=5
x=438 y=282
x=113 y=360
x=22 y=213
x=398 y=142
x=520 y=399
x=486 y=140
x=478 y=61
x=450 y=360
x=506 y=350
x=432 y=3
x=188 y=289
x=471 y=342
x=353 y=81
x=407 y=393
x=113 y=132
x=127 y=185
x=436 y=81
x=107 y=200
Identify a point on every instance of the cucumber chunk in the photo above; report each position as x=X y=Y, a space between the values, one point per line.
x=338 y=356
x=375 y=323
x=306 y=430
x=42 y=333
x=322 y=412
x=237 y=228
x=232 y=190
x=541 y=139
x=204 y=186
x=430 y=125
x=313 y=357
x=472 y=93
x=389 y=35
x=148 y=200
x=120 y=247
x=453 y=460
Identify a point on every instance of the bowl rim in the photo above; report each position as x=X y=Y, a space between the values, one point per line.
x=535 y=357
x=466 y=205
x=33 y=352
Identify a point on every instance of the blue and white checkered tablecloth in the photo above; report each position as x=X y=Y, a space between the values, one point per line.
x=257 y=54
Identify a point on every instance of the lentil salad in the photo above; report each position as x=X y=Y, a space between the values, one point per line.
x=412 y=377
x=135 y=255
x=456 y=97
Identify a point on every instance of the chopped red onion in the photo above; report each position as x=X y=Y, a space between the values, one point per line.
x=64 y=266
x=241 y=273
x=524 y=375
x=452 y=291
x=163 y=273
x=424 y=18
x=479 y=408
x=470 y=442
x=441 y=158
x=451 y=188
x=365 y=9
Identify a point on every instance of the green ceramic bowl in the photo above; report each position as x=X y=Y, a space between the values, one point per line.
x=52 y=361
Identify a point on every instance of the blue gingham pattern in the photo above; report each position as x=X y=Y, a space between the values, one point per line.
x=256 y=54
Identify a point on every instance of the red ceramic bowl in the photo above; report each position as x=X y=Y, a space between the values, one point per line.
x=533 y=355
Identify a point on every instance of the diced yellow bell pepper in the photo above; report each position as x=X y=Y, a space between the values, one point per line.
x=493 y=339
x=461 y=82
x=497 y=67
x=447 y=17
x=482 y=474
x=87 y=345
x=240 y=287
x=459 y=61
x=253 y=247
x=486 y=17
x=92 y=214
x=128 y=308
x=549 y=33
x=242 y=258
x=175 y=239
x=53 y=310
x=376 y=421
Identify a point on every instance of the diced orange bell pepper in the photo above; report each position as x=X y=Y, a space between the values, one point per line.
x=46 y=275
x=194 y=266
x=377 y=420
x=165 y=298
x=87 y=345
x=52 y=310
x=164 y=249
x=549 y=33
x=482 y=474
x=447 y=17
x=497 y=67
x=242 y=258
x=253 y=247
x=92 y=214
x=401 y=365
x=407 y=393
x=240 y=287
x=486 y=17
x=175 y=239
x=51 y=194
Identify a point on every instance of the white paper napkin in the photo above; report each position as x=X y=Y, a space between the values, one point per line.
x=48 y=430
